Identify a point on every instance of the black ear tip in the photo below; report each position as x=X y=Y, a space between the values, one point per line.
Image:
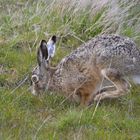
x=54 y=38
x=43 y=41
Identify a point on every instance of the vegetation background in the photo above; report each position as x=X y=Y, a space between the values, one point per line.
x=23 y=23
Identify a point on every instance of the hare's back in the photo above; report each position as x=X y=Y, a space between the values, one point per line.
x=117 y=52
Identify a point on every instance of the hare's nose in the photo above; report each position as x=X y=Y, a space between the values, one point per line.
x=34 y=78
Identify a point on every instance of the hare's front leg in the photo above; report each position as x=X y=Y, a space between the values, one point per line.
x=121 y=85
x=86 y=91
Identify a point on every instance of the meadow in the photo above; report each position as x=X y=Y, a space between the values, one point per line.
x=23 y=24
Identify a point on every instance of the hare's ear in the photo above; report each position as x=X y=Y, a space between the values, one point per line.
x=53 y=38
x=42 y=53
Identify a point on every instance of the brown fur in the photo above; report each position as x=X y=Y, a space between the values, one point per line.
x=80 y=74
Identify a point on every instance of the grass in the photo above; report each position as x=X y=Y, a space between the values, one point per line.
x=23 y=25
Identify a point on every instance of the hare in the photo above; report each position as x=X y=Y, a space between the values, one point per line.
x=79 y=76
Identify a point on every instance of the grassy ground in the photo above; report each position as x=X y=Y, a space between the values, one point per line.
x=50 y=117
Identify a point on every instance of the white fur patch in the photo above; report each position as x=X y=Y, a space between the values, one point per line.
x=136 y=79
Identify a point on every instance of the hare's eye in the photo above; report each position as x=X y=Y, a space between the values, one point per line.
x=34 y=78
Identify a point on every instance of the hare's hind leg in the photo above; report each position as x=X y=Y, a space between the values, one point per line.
x=121 y=85
x=106 y=88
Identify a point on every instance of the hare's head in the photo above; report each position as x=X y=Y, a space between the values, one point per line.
x=42 y=73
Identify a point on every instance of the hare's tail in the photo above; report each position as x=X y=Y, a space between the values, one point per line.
x=136 y=79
